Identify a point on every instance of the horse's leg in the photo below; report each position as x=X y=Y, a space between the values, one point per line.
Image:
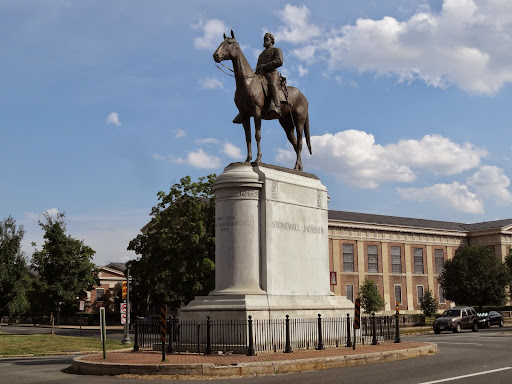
x=257 y=135
x=298 y=149
x=246 y=122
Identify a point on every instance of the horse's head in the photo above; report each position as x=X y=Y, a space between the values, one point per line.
x=227 y=49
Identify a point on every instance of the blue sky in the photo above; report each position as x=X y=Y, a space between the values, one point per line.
x=105 y=103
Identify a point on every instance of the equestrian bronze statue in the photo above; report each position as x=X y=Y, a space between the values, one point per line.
x=254 y=96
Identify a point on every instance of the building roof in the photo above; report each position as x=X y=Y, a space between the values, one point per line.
x=488 y=225
x=119 y=266
x=418 y=223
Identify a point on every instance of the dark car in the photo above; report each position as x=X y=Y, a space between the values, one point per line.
x=456 y=319
x=486 y=320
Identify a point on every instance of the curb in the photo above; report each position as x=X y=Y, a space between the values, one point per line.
x=244 y=369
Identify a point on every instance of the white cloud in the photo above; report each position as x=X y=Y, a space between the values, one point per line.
x=455 y=196
x=465 y=44
x=170 y=158
x=491 y=182
x=212 y=34
x=354 y=157
x=437 y=154
x=210 y=83
x=179 y=133
x=33 y=216
x=201 y=159
x=207 y=141
x=302 y=71
x=113 y=118
x=232 y=151
x=296 y=28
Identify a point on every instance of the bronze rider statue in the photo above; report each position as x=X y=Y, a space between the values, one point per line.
x=268 y=62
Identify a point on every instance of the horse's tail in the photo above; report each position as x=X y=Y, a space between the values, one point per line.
x=306 y=133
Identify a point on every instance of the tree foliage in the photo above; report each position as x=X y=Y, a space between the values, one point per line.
x=475 y=276
x=177 y=248
x=371 y=300
x=13 y=269
x=508 y=263
x=64 y=265
x=428 y=303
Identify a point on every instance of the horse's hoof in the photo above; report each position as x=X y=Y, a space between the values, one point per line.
x=248 y=160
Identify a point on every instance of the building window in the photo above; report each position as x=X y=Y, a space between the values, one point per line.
x=439 y=260
x=348 y=257
x=373 y=259
x=418 y=260
x=396 y=260
x=419 y=290
x=398 y=293
x=350 y=292
x=99 y=294
x=442 y=299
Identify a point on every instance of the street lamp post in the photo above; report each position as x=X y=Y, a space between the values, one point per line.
x=126 y=339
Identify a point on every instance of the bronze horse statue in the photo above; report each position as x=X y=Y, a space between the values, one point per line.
x=250 y=101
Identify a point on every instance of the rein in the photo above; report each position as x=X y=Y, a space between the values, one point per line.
x=235 y=73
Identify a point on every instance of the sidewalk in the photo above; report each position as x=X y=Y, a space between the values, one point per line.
x=150 y=362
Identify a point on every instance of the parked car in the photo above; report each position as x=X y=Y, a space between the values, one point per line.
x=486 y=320
x=456 y=319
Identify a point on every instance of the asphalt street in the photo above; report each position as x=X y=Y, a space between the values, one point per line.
x=469 y=358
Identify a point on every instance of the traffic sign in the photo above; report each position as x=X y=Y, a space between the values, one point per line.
x=123 y=307
x=123 y=318
x=81 y=305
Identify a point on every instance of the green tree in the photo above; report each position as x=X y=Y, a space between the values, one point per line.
x=429 y=303
x=371 y=300
x=13 y=269
x=508 y=263
x=177 y=248
x=64 y=265
x=475 y=276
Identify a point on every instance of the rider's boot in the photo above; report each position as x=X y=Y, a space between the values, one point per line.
x=237 y=119
x=274 y=109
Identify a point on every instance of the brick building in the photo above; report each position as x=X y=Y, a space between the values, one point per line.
x=403 y=256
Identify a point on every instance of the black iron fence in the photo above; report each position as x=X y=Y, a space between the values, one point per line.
x=270 y=335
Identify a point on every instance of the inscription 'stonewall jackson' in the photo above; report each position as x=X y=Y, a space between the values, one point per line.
x=298 y=227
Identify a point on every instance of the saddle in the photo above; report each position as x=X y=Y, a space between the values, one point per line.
x=282 y=90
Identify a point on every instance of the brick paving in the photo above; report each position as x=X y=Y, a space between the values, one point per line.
x=155 y=358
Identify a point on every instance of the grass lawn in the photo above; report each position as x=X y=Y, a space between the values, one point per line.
x=40 y=345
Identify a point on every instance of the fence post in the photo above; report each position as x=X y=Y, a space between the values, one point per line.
x=163 y=328
x=349 y=341
x=250 y=350
x=374 y=330
x=397 y=340
x=320 y=341
x=288 y=347
x=136 y=343
x=208 y=336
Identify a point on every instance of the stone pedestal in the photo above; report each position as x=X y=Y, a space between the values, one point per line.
x=272 y=256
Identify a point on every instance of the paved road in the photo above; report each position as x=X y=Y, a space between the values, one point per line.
x=468 y=358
